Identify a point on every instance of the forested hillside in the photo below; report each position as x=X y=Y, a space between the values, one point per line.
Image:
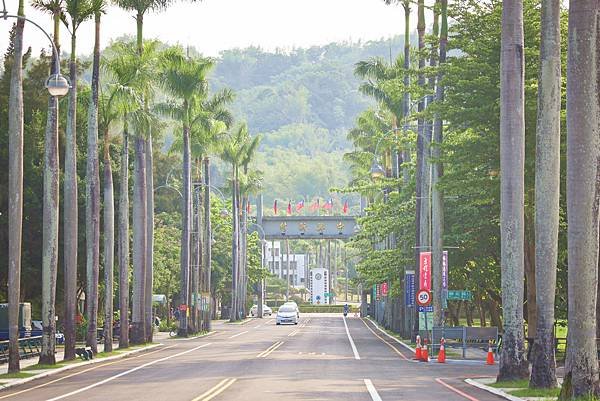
x=302 y=102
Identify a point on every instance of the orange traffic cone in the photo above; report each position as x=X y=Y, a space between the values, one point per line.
x=442 y=354
x=418 y=348
x=490 y=354
x=424 y=352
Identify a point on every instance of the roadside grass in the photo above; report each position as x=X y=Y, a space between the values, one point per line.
x=535 y=392
x=41 y=366
x=17 y=375
x=517 y=384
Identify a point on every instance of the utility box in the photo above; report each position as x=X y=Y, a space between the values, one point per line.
x=24 y=317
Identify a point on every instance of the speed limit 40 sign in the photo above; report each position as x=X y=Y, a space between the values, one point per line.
x=423 y=298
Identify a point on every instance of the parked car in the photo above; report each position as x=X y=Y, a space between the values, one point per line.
x=266 y=311
x=295 y=305
x=287 y=314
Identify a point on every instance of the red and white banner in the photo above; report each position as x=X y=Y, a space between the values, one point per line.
x=425 y=271
x=384 y=289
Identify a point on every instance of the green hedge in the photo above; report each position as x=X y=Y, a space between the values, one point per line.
x=324 y=309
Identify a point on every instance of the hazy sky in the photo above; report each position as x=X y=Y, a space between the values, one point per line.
x=215 y=25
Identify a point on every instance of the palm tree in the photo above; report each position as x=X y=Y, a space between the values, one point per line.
x=51 y=195
x=78 y=11
x=141 y=7
x=512 y=151
x=581 y=371
x=185 y=81
x=209 y=124
x=15 y=190
x=437 y=201
x=547 y=182
x=93 y=195
x=107 y=114
x=238 y=150
x=130 y=77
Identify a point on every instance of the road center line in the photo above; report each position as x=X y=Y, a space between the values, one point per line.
x=109 y=379
x=457 y=391
x=372 y=391
x=263 y=354
x=269 y=352
x=238 y=334
x=216 y=390
x=354 y=350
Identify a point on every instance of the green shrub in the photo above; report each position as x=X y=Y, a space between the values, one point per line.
x=164 y=326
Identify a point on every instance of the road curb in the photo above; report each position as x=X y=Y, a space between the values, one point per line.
x=495 y=391
x=76 y=365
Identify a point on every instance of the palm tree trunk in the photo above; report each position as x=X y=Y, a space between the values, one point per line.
x=123 y=245
x=50 y=222
x=15 y=192
x=138 y=334
x=405 y=111
x=109 y=245
x=512 y=154
x=70 y=211
x=185 y=231
x=197 y=254
x=234 y=250
x=93 y=202
x=437 y=200
x=206 y=281
x=581 y=371
x=149 y=239
x=419 y=219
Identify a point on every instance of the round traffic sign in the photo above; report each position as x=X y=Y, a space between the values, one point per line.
x=423 y=298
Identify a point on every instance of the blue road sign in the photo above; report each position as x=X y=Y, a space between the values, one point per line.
x=409 y=288
x=427 y=309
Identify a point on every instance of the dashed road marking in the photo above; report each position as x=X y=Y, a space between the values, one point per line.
x=238 y=334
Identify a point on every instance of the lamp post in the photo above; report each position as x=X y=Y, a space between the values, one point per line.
x=56 y=84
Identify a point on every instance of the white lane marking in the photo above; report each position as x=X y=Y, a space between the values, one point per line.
x=293 y=333
x=195 y=337
x=372 y=390
x=238 y=334
x=216 y=390
x=109 y=379
x=354 y=350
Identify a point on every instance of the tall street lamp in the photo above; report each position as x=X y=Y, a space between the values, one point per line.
x=57 y=84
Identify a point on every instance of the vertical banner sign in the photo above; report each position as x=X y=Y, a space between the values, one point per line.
x=378 y=287
x=374 y=292
x=409 y=288
x=384 y=289
x=425 y=271
x=445 y=270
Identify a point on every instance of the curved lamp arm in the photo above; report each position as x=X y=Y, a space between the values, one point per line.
x=6 y=15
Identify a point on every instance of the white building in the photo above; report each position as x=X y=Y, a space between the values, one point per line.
x=276 y=262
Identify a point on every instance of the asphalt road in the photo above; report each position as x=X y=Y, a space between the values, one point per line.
x=319 y=359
